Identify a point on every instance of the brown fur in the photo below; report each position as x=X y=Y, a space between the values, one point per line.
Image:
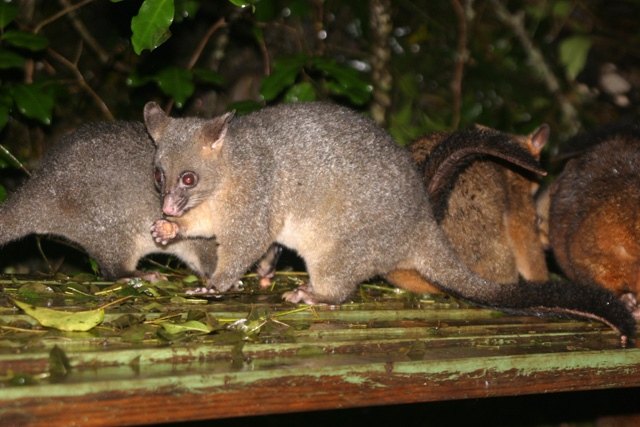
x=594 y=225
x=490 y=217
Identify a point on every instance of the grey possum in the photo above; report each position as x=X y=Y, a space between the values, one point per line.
x=334 y=186
x=594 y=211
x=483 y=199
x=95 y=188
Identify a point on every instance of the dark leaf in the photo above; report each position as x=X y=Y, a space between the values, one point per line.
x=25 y=40
x=9 y=59
x=177 y=83
x=59 y=366
x=150 y=27
x=285 y=72
x=33 y=101
x=8 y=12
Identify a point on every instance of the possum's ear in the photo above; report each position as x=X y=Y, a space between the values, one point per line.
x=156 y=120
x=538 y=138
x=214 y=131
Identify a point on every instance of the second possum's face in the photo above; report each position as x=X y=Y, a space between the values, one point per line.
x=186 y=157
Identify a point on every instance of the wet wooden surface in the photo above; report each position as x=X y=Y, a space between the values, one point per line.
x=379 y=350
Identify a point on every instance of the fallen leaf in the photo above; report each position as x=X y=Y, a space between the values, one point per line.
x=79 y=321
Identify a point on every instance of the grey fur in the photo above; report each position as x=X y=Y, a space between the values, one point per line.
x=95 y=188
x=333 y=186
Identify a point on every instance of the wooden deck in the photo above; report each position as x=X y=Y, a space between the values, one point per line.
x=384 y=348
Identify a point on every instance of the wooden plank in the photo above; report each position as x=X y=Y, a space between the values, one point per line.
x=367 y=353
x=203 y=395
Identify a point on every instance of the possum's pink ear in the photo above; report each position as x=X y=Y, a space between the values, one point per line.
x=156 y=120
x=538 y=138
x=216 y=129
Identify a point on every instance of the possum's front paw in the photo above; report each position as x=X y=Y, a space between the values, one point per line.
x=163 y=231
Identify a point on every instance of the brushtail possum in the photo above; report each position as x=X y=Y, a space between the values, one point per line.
x=483 y=199
x=95 y=188
x=594 y=213
x=333 y=186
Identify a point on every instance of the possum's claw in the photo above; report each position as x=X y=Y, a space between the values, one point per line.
x=163 y=231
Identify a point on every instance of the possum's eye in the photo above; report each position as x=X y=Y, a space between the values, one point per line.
x=189 y=179
x=158 y=176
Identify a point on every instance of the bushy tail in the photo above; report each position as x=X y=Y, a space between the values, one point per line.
x=22 y=215
x=444 y=269
x=451 y=155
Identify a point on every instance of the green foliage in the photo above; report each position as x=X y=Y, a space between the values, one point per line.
x=573 y=54
x=177 y=83
x=274 y=51
x=33 y=100
x=8 y=12
x=150 y=27
x=25 y=40
x=336 y=80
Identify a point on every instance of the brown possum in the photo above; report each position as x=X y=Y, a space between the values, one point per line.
x=594 y=214
x=334 y=186
x=487 y=211
x=95 y=188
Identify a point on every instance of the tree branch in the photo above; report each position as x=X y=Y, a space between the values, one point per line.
x=59 y=15
x=461 y=59
x=74 y=69
x=84 y=32
x=515 y=22
x=381 y=26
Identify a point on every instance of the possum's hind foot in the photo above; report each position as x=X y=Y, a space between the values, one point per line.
x=305 y=295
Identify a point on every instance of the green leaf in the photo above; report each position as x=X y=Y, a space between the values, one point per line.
x=190 y=326
x=136 y=333
x=209 y=76
x=3 y=194
x=244 y=107
x=562 y=8
x=8 y=12
x=285 y=72
x=345 y=81
x=80 y=321
x=190 y=279
x=95 y=268
x=244 y=3
x=25 y=40
x=136 y=80
x=573 y=54
x=9 y=59
x=301 y=92
x=258 y=34
x=150 y=27
x=186 y=9
x=266 y=10
x=33 y=101
x=177 y=83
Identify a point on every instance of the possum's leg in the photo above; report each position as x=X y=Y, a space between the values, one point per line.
x=411 y=281
x=336 y=268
